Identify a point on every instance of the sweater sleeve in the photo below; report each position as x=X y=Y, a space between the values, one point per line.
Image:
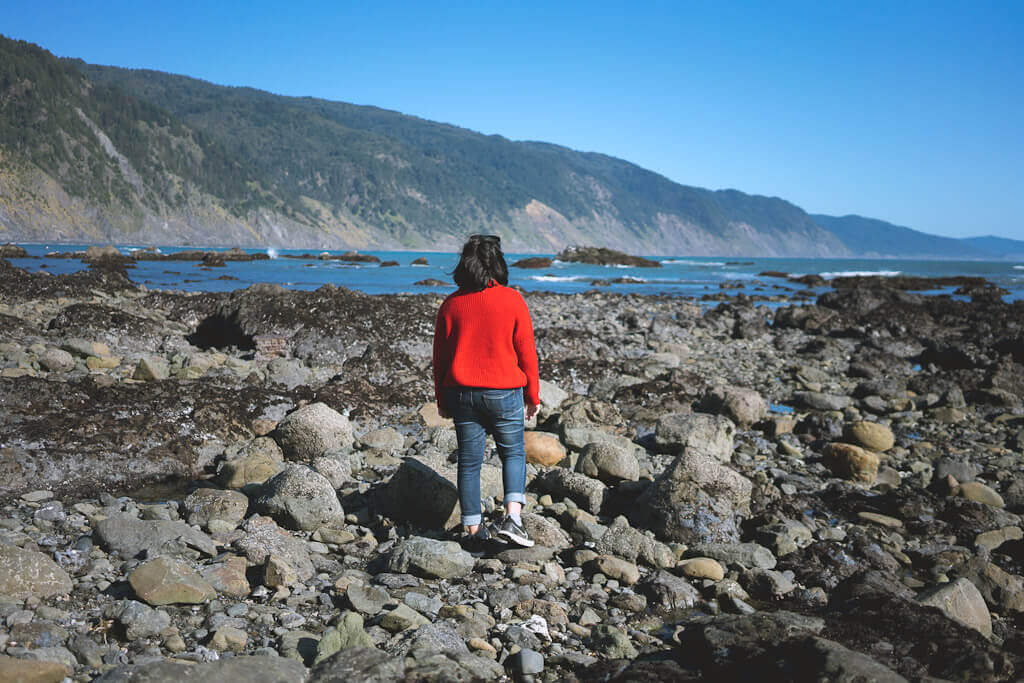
x=442 y=355
x=526 y=353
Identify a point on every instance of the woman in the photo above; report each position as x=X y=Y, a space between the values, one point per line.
x=484 y=360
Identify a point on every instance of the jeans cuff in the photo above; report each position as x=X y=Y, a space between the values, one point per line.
x=470 y=520
x=514 y=498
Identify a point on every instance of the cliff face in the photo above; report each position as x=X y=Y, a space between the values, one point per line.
x=95 y=153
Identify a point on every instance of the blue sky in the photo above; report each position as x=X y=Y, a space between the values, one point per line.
x=909 y=112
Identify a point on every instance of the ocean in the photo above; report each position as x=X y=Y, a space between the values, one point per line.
x=682 y=276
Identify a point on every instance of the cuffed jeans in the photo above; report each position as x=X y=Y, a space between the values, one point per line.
x=477 y=412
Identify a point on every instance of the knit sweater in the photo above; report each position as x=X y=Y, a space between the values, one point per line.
x=485 y=340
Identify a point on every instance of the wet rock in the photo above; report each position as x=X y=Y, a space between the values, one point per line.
x=166 y=581
x=818 y=659
x=962 y=602
x=698 y=432
x=299 y=498
x=428 y=558
x=313 y=430
x=30 y=574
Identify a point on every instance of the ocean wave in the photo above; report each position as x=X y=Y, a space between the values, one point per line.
x=687 y=262
x=1018 y=267
x=557 y=278
x=861 y=273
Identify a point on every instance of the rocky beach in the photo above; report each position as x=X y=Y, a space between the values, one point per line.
x=255 y=485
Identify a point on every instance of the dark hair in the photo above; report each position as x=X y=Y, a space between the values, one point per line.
x=481 y=262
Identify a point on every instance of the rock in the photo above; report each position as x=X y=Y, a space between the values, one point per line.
x=609 y=464
x=990 y=540
x=299 y=498
x=615 y=568
x=151 y=369
x=624 y=541
x=544 y=450
x=961 y=470
x=551 y=395
x=741 y=405
x=431 y=418
x=256 y=463
x=30 y=574
x=277 y=573
x=575 y=436
x=32 y=671
x=702 y=568
x=698 y=432
x=347 y=633
x=57 y=360
x=748 y=555
x=359 y=664
x=526 y=662
x=263 y=537
x=252 y=669
x=368 y=600
x=817 y=659
x=129 y=536
x=670 y=591
x=166 y=581
x=611 y=642
x=785 y=537
x=851 y=462
x=881 y=520
x=428 y=495
x=604 y=257
x=205 y=505
x=401 y=618
x=288 y=372
x=962 y=602
x=544 y=532
x=1002 y=591
x=227 y=576
x=313 y=430
x=430 y=559
x=697 y=500
x=588 y=493
x=870 y=435
x=387 y=439
x=980 y=493
x=816 y=400
x=139 y=620
x=768 y=583
x=229 y=638
x=335 y=467
x=299 y=645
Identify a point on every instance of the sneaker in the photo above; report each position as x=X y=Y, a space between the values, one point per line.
x=515 y=533
x=478 y=543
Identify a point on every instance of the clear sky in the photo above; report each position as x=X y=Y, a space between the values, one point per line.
x=909 y=111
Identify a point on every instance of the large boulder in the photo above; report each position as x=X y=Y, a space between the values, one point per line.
x=697 y=499
x=428 y=494
x=313 y=430
x=299 y=498
x=29 y=573
x=696 y=432
x=430 y=558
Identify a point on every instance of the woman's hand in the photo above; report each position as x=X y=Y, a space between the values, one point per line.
x=531 y=410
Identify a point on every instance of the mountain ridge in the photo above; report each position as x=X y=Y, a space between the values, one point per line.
x=101 y=153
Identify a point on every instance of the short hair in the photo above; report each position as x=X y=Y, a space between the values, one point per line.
x=481 y=262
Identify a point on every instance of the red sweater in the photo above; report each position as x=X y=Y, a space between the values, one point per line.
x=485 y=340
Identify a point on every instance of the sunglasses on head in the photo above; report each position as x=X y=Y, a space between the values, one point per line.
x=486 y=239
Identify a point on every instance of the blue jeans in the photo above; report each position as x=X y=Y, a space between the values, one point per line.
x=477 y=412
